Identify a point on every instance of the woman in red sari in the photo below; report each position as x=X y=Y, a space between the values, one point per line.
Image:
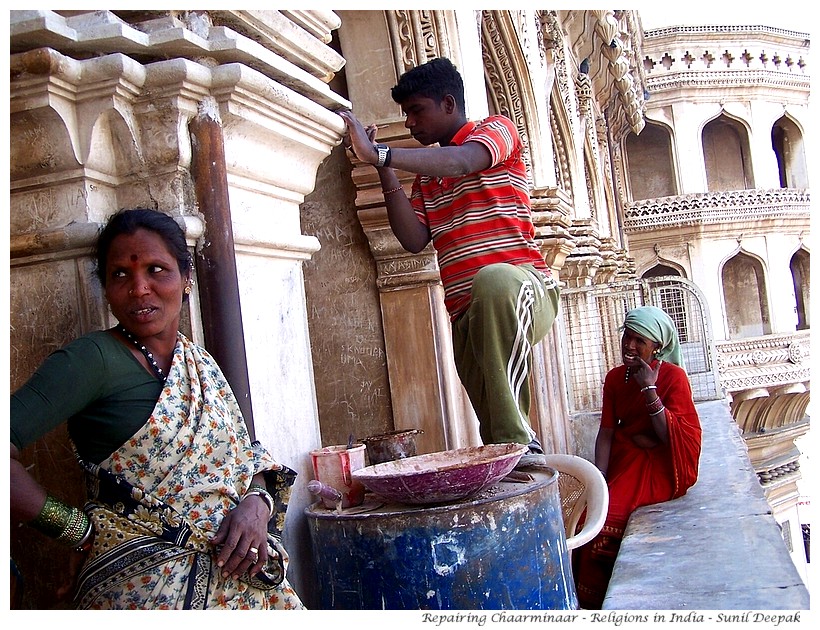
x=648 y=444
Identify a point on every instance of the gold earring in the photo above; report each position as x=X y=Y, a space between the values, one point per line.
x=187 y=290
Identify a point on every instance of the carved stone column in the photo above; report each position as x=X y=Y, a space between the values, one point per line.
x=609 y=267
x=551 y=211
x=425 y=389
x=582 y=264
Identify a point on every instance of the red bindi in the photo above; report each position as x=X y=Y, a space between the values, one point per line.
x=134 y=258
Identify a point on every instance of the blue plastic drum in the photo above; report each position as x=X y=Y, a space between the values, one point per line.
x=504 y=549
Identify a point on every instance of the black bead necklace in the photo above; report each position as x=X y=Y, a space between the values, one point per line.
x=145 y=351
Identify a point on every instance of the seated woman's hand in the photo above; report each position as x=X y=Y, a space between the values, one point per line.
x=641 y=440
x=69 y=582
x=242 y=538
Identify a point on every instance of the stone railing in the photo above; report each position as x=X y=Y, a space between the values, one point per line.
x=771 y=361
x=716 y=207
x=780 y=54
x=713 y=31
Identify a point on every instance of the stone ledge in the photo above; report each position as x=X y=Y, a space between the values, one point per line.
x=716 y=548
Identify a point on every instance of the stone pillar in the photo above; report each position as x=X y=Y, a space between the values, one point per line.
x=582 y=264
x=551 y=216
x=425 y=389
x=551 y=211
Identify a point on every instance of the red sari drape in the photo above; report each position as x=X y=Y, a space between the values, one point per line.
x=639 y=476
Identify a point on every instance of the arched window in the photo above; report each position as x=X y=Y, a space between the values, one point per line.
x=801 y=278
x=651 y=168
x=744 y=291
x=787 y=142
x=671 y=300
x=660 y=270
x=726 y=155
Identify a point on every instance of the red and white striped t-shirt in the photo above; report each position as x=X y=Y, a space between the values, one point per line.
x=482 y=218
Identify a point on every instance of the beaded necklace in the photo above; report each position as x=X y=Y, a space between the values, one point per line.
x=145 y=351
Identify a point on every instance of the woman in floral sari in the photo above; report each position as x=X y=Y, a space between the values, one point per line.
x=184 y=511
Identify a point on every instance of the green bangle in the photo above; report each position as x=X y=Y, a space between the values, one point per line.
x=53 y=518
x=66 y=524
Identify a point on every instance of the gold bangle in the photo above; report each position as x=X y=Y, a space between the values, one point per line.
x=392 y=190
x=75 y=530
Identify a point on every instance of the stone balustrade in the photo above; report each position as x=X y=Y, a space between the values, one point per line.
x=716 y=56
x=717 y=207
x=773 y=362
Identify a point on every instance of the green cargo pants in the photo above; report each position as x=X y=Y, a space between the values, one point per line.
x=511 y=310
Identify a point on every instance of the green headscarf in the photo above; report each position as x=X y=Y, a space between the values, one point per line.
x=653 y=323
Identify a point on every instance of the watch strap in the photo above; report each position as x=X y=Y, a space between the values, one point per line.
x=383 y=152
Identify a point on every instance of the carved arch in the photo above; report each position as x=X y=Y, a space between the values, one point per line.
x=744 y=290
x=788 y=146
x=734 y=118
x=650 y=161
x=564 y=142
x=727 y=154
x=662 y=267
x=800 y=268
x=509 y=87
x=595 y=187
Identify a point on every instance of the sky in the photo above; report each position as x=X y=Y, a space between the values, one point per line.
x=653 y=14
x=702 y=13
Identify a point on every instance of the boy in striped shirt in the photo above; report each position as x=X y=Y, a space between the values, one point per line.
x=471 y=198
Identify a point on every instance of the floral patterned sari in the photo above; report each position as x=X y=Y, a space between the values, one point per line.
x=157 y=502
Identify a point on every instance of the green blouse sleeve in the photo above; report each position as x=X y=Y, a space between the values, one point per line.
x=96 y=385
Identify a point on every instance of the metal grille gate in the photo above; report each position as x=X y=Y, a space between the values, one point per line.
x=592 y=319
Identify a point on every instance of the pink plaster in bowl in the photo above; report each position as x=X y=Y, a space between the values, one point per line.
x=443 y=476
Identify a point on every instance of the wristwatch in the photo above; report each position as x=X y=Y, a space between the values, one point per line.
x=384 y=155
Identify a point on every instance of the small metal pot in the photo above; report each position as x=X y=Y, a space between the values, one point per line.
x=388 y=447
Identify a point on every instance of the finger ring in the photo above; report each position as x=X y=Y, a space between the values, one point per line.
x=254 y=551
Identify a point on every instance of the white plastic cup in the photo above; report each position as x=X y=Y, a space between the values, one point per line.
x=332 y=466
